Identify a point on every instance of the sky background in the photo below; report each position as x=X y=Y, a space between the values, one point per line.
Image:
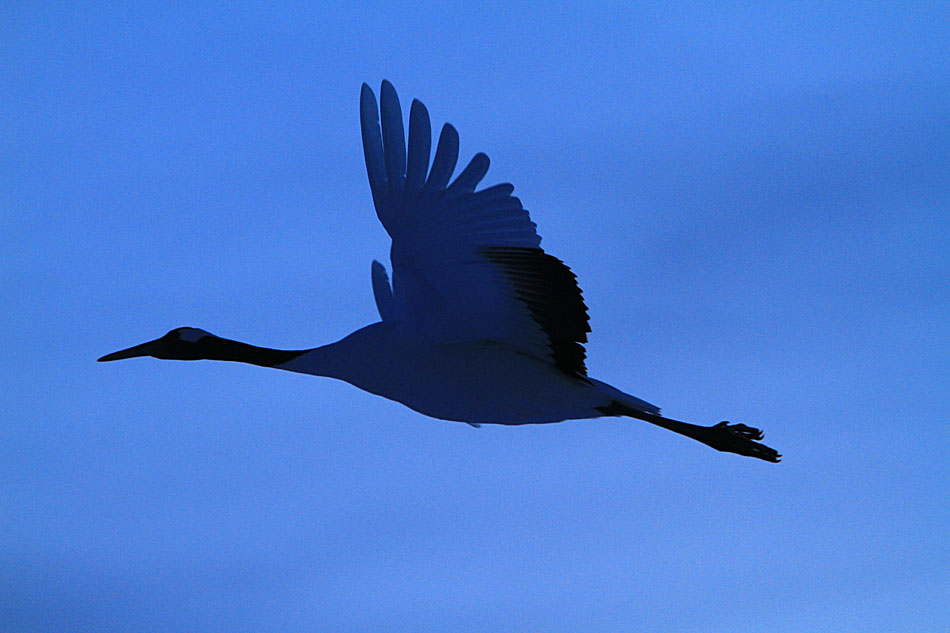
x=754 y=198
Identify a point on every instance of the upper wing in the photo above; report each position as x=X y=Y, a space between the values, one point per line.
x=467 y=265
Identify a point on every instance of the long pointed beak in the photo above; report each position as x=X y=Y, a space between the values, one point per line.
x=145 y=349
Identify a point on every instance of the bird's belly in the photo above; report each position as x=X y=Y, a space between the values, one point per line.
x=483 y=383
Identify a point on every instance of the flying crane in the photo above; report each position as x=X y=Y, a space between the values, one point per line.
x=479 y=325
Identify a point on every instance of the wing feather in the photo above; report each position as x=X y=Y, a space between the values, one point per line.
x=382 y=292
x=467 y=265
x=549 y=289
x=373 y=150
x=466 y=181
x=446 y=156
x=394 y=139
x=420 y=142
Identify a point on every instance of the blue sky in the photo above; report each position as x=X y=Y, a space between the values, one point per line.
x=755 y=202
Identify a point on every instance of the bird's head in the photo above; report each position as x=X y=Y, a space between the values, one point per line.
x=184 y=343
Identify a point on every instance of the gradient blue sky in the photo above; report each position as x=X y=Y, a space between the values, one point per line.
x=754 y=198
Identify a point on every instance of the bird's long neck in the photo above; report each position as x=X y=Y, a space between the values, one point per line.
x=216 y=348
x=318 y=361
x=347 y=359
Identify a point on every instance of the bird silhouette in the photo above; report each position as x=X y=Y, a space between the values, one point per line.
x=479 y=325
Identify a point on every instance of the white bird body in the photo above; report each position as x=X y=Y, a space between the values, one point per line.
x=480 y=325
x=478 y=382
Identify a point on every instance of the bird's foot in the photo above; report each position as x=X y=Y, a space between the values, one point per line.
x=740 y=439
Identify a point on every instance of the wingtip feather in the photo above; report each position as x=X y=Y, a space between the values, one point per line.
x=372 y=142
x=420 y=146
x=394 y=136
x=446 y=156
x=470 y=176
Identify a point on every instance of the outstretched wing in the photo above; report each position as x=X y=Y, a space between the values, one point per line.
x=467 y=265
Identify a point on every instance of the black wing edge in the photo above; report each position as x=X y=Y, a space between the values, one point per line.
x=549 y=289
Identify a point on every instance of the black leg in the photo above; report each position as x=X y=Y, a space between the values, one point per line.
x=725 y=437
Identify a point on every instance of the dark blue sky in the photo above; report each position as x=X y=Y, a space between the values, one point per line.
x=755 y=200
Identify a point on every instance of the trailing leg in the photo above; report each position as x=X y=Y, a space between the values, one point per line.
x=725 y=437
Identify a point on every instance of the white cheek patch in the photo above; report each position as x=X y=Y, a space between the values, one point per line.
x=192 y=335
